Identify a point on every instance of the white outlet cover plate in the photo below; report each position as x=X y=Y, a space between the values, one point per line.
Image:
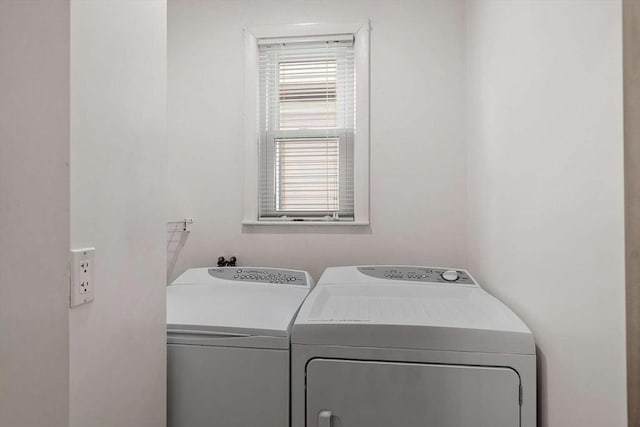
x=82 y=276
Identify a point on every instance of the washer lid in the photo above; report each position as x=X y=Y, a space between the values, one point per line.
x=397 y=314
x=233 y=309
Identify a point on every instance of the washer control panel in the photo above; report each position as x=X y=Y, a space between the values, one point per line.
x=260 y=275
x=418 y=274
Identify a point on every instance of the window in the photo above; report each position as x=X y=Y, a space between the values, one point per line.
x=307 y=122
x=307 y=100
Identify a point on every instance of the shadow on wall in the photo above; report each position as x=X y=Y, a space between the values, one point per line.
x=306 y=229
x=176 y=241
x=541 y=387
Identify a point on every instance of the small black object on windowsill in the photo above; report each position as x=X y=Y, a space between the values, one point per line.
x=222 y=262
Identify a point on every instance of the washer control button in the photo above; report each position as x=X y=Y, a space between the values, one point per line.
x=450 y=275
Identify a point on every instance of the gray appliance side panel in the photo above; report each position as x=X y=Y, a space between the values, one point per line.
x=524 y=365
x=227 y=386
x=382 y=394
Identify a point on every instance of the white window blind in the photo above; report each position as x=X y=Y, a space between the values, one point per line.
x=307 y=124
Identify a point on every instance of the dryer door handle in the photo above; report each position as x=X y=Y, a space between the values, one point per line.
x=324 y=419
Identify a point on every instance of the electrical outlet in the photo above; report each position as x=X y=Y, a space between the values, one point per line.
x=82 y=276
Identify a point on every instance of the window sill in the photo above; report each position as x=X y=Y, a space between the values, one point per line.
x=308 y=223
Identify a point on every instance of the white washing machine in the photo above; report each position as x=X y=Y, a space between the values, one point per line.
x=228 y=357
x=380 y=346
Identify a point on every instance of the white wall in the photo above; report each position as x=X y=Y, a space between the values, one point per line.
x=34 y=213
x=418 y=121
x=118 y=205
x=546 y=191
x=528 y=93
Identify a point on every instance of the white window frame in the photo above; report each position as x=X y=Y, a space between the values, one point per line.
x=251 y=128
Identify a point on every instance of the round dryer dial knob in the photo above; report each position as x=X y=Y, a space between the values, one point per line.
x=450 y=275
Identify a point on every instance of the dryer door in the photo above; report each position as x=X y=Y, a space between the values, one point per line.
x=348 y=393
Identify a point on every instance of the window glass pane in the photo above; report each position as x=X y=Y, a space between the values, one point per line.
x=307 y=174
x=307 y=94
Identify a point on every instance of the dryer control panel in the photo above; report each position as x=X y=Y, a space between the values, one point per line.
x=418 y=274
x=261 y=275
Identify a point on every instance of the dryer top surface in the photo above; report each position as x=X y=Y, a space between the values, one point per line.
x=360 y=310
